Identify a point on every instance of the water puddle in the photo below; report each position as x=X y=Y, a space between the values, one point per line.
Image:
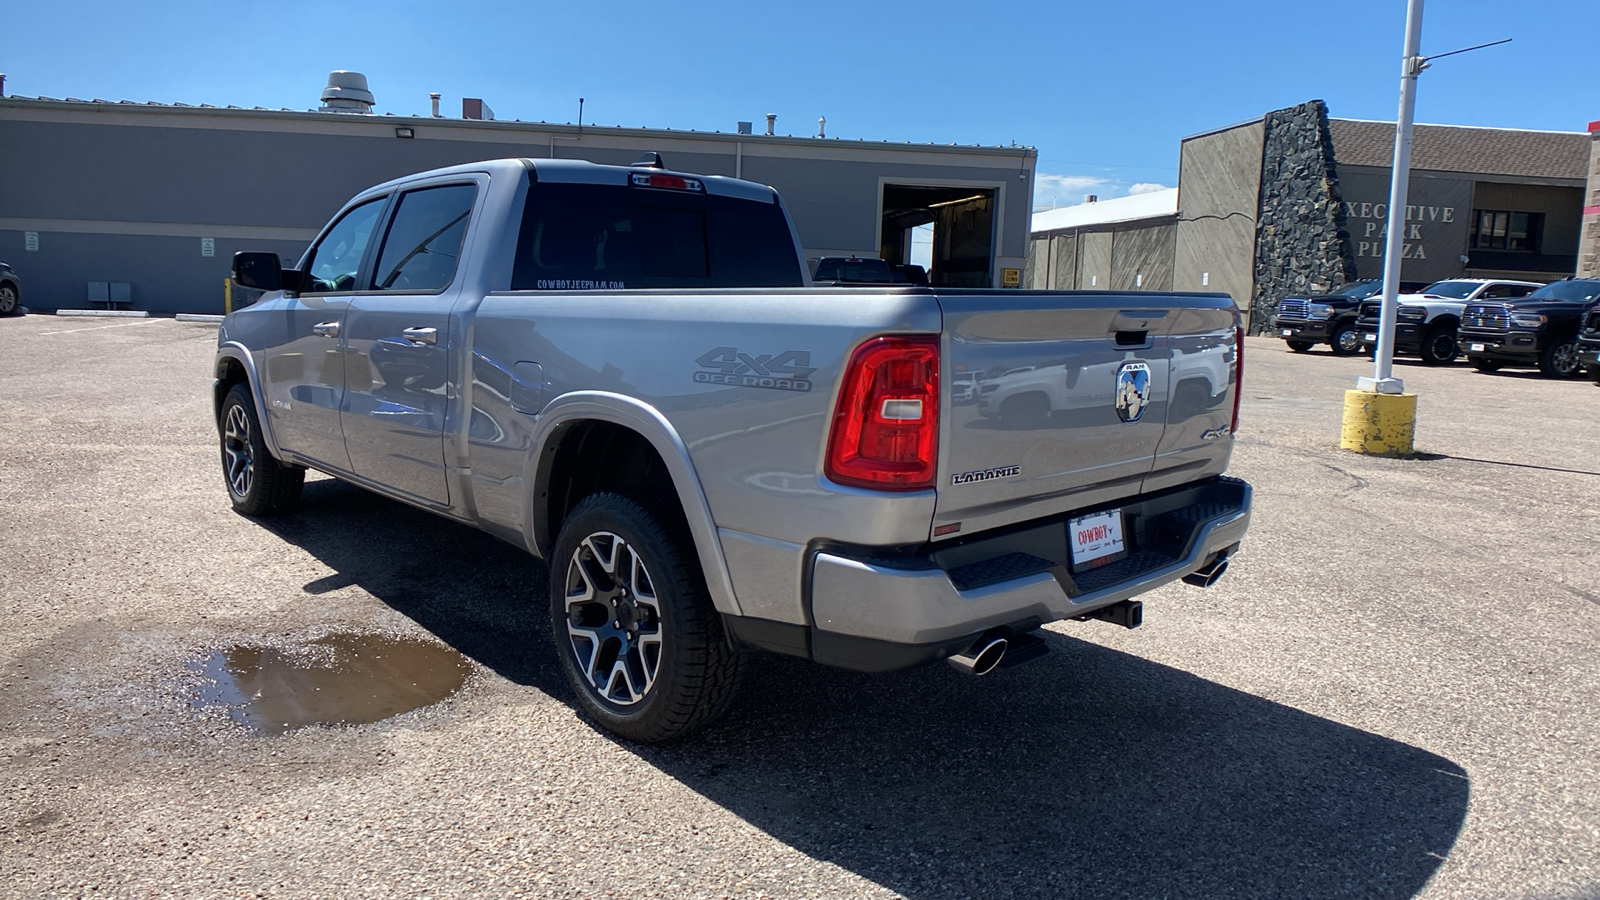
x=341 y=679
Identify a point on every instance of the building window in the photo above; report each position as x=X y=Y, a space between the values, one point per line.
x=1494 y=229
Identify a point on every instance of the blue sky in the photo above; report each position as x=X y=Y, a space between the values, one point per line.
x=1104 y=90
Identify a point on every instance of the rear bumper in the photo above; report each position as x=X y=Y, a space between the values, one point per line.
x=883 y=613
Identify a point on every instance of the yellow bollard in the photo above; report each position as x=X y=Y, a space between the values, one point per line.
x=227 y=296
x=1381 y=424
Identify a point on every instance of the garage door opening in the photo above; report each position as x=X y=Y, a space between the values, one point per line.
x=962 y=219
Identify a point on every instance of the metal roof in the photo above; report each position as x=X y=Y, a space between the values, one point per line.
x=1151 y=205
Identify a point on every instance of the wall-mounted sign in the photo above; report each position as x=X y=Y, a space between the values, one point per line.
x=1436 y=225
x=30 y=241
x=1011 y=278
x=208 y=246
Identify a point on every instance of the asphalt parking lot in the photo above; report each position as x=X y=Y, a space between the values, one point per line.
x=1394 y=692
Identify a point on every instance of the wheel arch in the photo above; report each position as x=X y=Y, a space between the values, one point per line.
x=591 y=441
x=235 y=365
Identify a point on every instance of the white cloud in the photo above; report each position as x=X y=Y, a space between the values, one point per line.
x=1051 y=191
x=1146 y=187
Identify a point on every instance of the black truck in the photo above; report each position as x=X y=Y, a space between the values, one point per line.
x=1589 y=340
x=1539 y=330
x=1329 y=319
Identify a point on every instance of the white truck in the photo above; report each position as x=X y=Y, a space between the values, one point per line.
x=623 y=371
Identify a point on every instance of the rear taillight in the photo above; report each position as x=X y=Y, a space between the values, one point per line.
x=1238 y=375
x=885 y=433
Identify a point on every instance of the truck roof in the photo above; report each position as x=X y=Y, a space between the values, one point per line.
x=577 y=171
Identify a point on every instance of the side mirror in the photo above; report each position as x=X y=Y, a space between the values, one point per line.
x=259 y=270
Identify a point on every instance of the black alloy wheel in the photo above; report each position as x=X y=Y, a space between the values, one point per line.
x=1439 y=346
x=8 y=298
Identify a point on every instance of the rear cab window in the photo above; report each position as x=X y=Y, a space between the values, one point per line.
x=617 y=237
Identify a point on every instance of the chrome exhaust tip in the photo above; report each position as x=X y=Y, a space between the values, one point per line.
x=1207 y=576
x=981 y=658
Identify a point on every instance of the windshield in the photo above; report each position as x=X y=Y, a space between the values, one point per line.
x=1455 y=290
x=1575 y=291
x=1359 y=290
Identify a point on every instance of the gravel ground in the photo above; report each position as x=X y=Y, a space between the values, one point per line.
x=1392 y=693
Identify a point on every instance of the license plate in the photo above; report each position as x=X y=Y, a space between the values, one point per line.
x=1096 y=539
x=1476 y=348
x=1372 y=338
x=1288 y=333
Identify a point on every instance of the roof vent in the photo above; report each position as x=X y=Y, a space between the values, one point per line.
x=1091 y=198
x=473 y=108
x=744 y=127
x=346 y=93
x=772 y=122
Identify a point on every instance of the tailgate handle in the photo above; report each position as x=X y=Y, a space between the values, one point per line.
x=1133 y=338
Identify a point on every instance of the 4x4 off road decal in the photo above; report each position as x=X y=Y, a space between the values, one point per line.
x=787 y=371
x=1133 y=390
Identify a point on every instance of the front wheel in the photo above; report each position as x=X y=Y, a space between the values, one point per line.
x=1560 y=360
x=8 y=299
x=638 y=637
x=1346 y=340
x=257 y=484
x=1300 y=346
x=1439 y=346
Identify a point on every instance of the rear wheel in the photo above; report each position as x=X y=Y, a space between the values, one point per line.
x=634 y=625
x=1560 y=360
x=1484 y=364
x=1346 y=342
x=257 y=484
x=8 y=299
x=1300 y=346
x=1439 y=346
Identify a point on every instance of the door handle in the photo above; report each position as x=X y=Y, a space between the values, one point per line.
x=421 y=335
x=326 y=329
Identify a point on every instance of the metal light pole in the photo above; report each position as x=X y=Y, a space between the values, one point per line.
x=1383 y=380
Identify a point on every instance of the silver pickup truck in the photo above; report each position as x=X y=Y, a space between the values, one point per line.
x=623 y=370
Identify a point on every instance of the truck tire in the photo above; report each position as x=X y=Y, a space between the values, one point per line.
x=8 y=298
x=1346 y=340
x=257 y=483
x=1300 y=346
x=1484 y=364
x=638 y=638
x=1439 y=346
x=1560 y=359
x=1594 y=372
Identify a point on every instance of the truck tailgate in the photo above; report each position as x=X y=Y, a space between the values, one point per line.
x=1061 y=401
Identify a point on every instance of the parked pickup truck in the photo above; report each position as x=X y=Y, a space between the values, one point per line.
x=622 y=370
x=1427 y=321
x=1304 y=321
x=1539 y=330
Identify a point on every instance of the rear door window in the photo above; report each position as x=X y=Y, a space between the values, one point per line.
x=611 y=237
x=423 y=247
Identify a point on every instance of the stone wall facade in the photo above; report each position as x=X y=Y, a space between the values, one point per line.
x=1301 y=241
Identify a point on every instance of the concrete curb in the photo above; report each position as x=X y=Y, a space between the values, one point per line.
x=106 y=313
x=197 y=317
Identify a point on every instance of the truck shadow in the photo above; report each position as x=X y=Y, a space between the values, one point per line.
x=1090 y=772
